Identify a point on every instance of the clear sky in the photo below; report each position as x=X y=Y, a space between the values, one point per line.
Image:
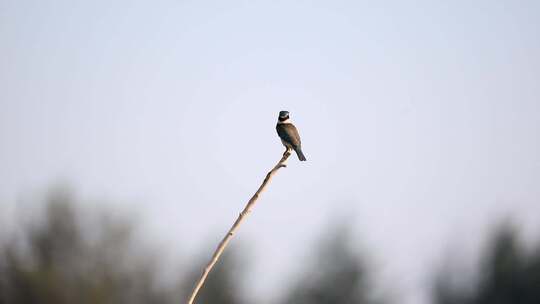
x=419 y=116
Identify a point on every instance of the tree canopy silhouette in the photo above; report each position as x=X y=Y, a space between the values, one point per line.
x=508 y=274
x=67 y=256
x=337 y=274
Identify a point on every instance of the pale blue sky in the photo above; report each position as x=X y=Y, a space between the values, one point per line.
x=420 y=116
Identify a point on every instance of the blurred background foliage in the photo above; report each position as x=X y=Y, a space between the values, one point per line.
x=509 y=272
x=63 y=255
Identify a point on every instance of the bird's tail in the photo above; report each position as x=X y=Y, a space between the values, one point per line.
x=300 y=154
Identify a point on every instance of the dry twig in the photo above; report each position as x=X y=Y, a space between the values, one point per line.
x=232 y=230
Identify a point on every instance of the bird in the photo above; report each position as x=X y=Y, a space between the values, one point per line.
x=289 y=134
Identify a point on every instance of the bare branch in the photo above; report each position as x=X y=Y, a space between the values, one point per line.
x=232 y=230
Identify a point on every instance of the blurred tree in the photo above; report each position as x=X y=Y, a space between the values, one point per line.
x=53 y=261
x=508 y=275
x=62 y=257
x=338 y=275
x=223 y=283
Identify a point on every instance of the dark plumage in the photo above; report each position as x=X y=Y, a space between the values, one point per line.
x=289 y=136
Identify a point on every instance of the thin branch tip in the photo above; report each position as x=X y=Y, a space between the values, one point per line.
x=230 y=233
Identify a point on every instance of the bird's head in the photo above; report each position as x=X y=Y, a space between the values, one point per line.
x=283 y=115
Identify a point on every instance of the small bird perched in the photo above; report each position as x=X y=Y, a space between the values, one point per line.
x=289 y=134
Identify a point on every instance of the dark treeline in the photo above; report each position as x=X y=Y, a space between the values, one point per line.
x=508 y=273
x=60 y=257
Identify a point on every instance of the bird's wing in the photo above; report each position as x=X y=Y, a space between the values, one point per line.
x=289 y=133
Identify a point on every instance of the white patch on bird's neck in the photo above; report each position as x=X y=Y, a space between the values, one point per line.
x=286 y=121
